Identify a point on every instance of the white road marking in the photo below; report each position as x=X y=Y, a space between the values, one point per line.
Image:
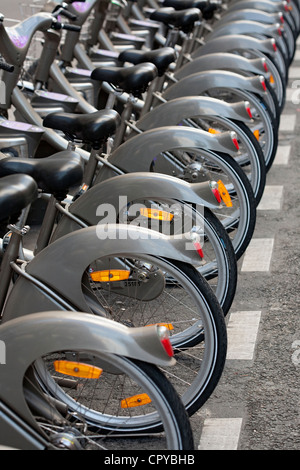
x=294 y=72
x=242 y=333
x=287 y=123
x=220 y=434
x=282 y=155
x=272 y=198
x=258 y=255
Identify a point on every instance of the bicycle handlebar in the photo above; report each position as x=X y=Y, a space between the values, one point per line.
x=5 y=66
x=68 y=27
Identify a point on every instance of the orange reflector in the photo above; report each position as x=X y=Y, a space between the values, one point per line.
x=213 y=131
x=224 y=194
x=136 y=400
x=77 y=369
x=256 y=134
x=169 y=326
x=110 y=275
x=272 y=79
x=156 y=214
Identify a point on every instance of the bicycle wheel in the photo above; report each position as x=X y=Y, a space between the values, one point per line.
x=264 y=125
x=174 y=294
x=106 y=408
x=218 y=264
x=250 y=156
x=194 y=165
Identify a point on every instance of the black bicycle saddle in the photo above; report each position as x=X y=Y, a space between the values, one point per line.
x=134 y=79
x=55 y=174
x=182 y=19
x=161 y=58
x=16 y=193
x=93 y=128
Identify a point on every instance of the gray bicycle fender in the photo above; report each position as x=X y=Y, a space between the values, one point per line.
x=233 y=42
x=243 y=27
x=223 y=61
x=175 y=111
x=265 y=5
x=128 y=156
x=251 y=15
x=61 y=265
x=201 y=82
x=121 y=190
x=33 y=336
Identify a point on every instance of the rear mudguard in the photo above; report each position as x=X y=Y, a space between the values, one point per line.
x=264 y=5
x=138 y=153
x=198 y=83
x=124 y=189
x=223 y=61
x=29 y=338
x=251 y=28
x=175 y=111
x=250 y=15
x=244 y=27
x=235 y=42
x=62 y=264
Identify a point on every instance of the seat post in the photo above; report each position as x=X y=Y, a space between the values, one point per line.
x=47 y=225
x=125 y=117
x=10 y=255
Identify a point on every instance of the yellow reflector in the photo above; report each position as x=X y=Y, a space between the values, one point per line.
x=77 y=369
x=169 y=326
x=256 y=133
x=109 y=275
x=136 y=400
x=213 y=131
x=224 y=194
x=272 y=79
x=156 y=214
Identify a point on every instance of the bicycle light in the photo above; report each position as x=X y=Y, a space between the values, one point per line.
x=263 y=83
x=215 y=190
x=164 y=336
x=234 y=140
x=248 y=109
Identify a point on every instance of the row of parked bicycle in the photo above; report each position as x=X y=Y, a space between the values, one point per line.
x=145 y=132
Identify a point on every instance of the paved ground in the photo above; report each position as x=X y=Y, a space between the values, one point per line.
x=256 y=405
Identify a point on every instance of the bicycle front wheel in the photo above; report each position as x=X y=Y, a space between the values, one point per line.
x=160 y=291
x=117 y=409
